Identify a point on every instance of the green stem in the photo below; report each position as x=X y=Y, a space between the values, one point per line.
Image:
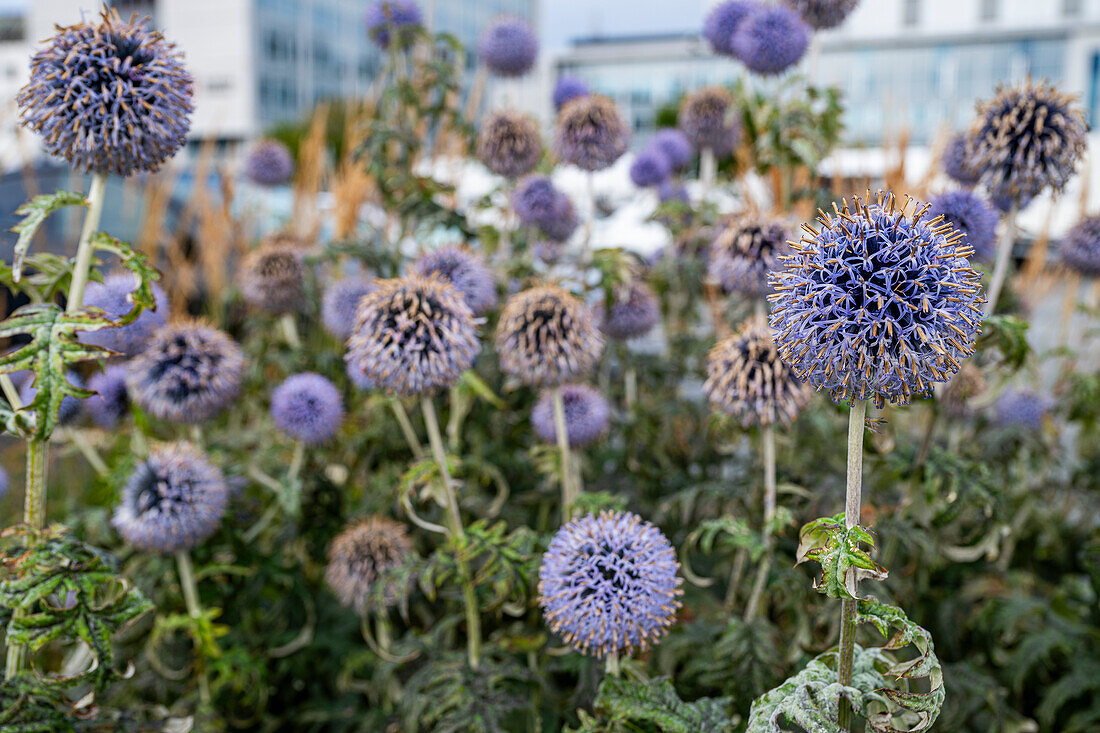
x=289 y=324
x=34 y=515
x=407 y=428
x=458 y=534
x=852 y=500
x=194 y=610
x=91 y=455
x=569 y=491
x=612 y=666
x=770 y=504
x=84 y=249
x=1004 y=257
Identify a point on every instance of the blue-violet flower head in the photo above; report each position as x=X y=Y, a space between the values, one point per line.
x=307 y=407
x=465 y=270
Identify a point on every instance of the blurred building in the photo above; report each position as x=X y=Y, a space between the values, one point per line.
x=905 y=65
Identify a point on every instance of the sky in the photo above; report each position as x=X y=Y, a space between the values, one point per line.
x=564 y=20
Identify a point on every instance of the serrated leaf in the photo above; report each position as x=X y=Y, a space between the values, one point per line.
x=34 y=212
x=839 y=551
x=656 y=702
x=144 y=274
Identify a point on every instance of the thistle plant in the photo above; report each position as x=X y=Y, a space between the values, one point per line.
x=706 y=117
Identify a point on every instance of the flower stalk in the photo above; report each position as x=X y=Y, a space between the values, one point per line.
x=570 y=491
x=1004 y=256
x=194 y=610
x=84 y=250
x=852 y=499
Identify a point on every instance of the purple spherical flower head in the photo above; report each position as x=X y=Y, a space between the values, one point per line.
x=358 y=377
x=508 y=47
x=547 y=336
x=1027 y=139
x=651 y=167
x=771 y=39
x=706 y=121
x=609 y=585
x=675 y=145
x=307 y=407
x=1080 y=248
x=70 y=406
x=547 y=250
x=633 y=313
x=722 y=22
x=1022 y=409
x=173 y=501
x=400 y=17
x=188 y=373
x=564 y=222
x=539 y=204
x=823 y=14
x=112 y=400
x=876 y=303
x=340 y=302
x=272 y=276
x=413 y=336
x=567 y=88
x=971 y=215
x=746 y=250
x=509 y=143
x=957 y=163
x=591 y=134
x=586 y=415
x=361 y=555
x=112 y=296
x=269 y=163
x=109 y=97
x=466 y=271
x=669 y=191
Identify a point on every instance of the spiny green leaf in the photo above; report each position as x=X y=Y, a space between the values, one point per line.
x=144 y=274
x=34 y=212
x=656 y=702
x=838 y=550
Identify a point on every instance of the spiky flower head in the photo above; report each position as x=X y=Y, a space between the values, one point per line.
x=174 y=500
x=771 y=39
x=609 y=584
x=633 y=313
x=340 y=301
x=112 y=296
x=567 y=88
x=465 y=270
x=723 y=20
x=273 y=277
x=879 y=302
x=971 y=215
x=957 y=163
x=591 y=134
x=823 y=14
x=188 y=373
x=745 y=251
x=748 y=381
x=538 y=203
x=547 y=336
x=361 y=554
x=1028 y=138
x=1080 y=248
x=509 y=143
x=675 y=145
x=307 y=407
x=70 y=406
x=388 y=18
x=706 y=119
x=269 y=163
x=109 y=96
x=586 y=415
x=1021 y=408
x=651 y=167
x=112 y=400
x=413 y=336
x=508 y=47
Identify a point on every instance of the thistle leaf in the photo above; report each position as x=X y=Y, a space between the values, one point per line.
x=137 y=263
x=839 y=551
x=34 y=212
x=625 y=703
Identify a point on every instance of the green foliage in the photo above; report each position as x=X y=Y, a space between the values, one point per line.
x=790 y=125
x=839 y=551
x=503 y=564
x=29 y=706
x=627 y=705
x=1006 y=335
x=446 y=696
x=137 y=263
x=34 y=212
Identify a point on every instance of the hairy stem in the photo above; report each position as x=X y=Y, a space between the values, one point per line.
x=194 y=610
x=569 y=491
x=1004 y=257
x=612 y=666
x=458 y=534
x=83 y=264
x=770 y=504
x=34 y=515
x=852 y=499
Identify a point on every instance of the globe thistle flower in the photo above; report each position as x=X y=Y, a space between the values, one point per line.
x=748 y=381
x=174 y=500
x=361 y=554
x=823 y=14
x=586 y=415
x=1019 y=408
x=650 y=168
x=70 y=406
x=876 y=303
x=591 y=134
x=675 y=145
x=746 y=249
x=1080 y=248
x=723 y=20
x=188 y=373
x=508 y=47
x=539 y=204
x=567 y=88
x=547 y=336
x=413 y=336
x=466 y=271
x=609 y=585
x=273 y=278
x=633 y=313
x=399 y=17
x=706 y=120
x=112 y=296
x=1028 y=138
x=957 y=163
x=969 y=214
x=358 y=377
x=269 y=163
x=111 y=403
x=109 y=97
x=771 y=39
x=509 y=143
x=307 y=407
x=339 y=302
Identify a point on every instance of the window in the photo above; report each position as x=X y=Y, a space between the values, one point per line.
x=989 y=10
x=911 y=13
x=1072 y=8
